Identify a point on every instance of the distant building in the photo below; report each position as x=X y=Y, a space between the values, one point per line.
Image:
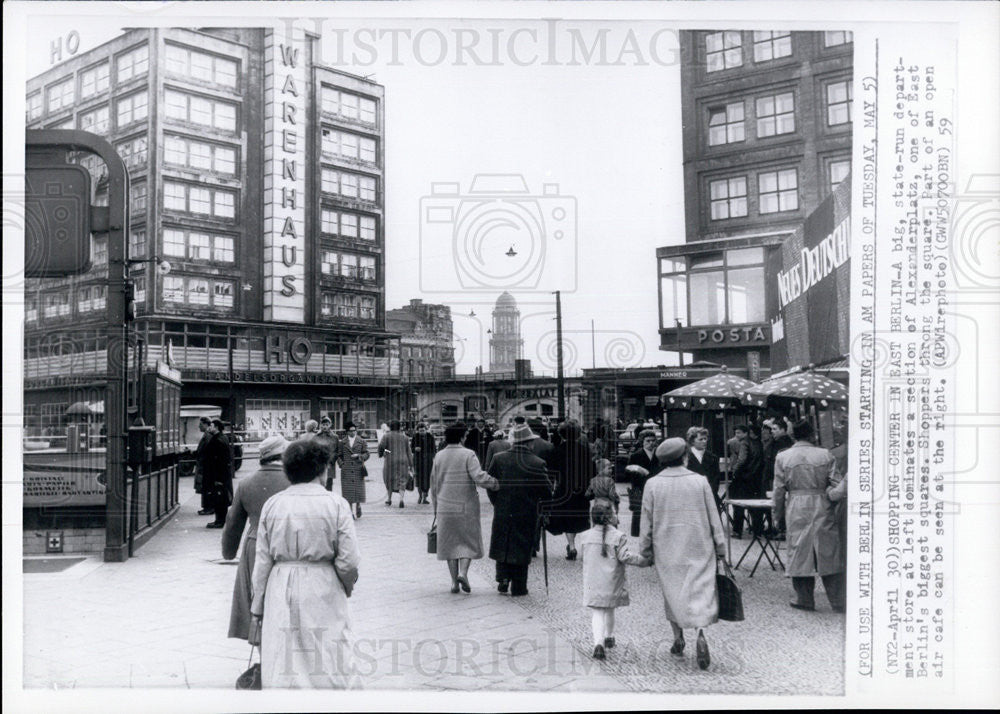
x=426 y=345
x=767 y=138
x=506 y=345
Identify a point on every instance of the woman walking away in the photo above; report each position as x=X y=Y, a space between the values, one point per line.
x=424 y=449
x=454 y=477
x=306 y=567
x=605 y=553
x=251 y=494
x=398 y=464
x=567 y=511
x=352 y=453
x=682 y=536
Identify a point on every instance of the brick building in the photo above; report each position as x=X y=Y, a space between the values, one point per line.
x=767 y=137
x=426 y=342
x=258 y=175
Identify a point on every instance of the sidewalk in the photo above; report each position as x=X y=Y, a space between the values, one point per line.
x=160 y=620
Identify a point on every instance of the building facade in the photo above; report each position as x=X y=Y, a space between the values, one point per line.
x=426 y=342
x=767 y=137
x=506 y=344
x=258 y=176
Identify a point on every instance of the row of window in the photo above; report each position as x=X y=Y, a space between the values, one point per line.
x=347 y=225
x=348 y=265
x=199 y=199
x=93 y=80
x=193 y=154
x=89 y=299
x=724 y=50
x=128 y=110
x=344 y=144
x=348 y=184
x=194 y=109
x=202 y=66
x=724 y=288
x=774 y=114
x=195 y=245
x=777 y=191
x=187 y=290
x=347 y=105
x=348 y=305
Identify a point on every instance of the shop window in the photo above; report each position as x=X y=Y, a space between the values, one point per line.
x=713 y=289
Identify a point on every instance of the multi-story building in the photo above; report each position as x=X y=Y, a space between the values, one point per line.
x=426 y=343
x=258 y=175
x=766 y=138
x=506 y=344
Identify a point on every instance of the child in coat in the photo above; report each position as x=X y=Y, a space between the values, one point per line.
x=603 y=484
x=605 y=552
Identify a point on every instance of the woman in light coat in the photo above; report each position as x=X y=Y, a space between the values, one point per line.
x=454 y=477
x=352 y=453
x=681 y=534
x=398 y=465
x=307 y=565
x=251 y=494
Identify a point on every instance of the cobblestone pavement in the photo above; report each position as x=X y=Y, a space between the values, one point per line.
x=160 y=619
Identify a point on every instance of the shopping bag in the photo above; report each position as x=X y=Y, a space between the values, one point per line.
x=730 y=597
x=432 y=537
x=251 y=678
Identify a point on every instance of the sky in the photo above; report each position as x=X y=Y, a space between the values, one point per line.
x=585 y=113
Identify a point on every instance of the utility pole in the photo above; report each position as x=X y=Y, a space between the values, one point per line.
x=593 y=346
x=560 y=381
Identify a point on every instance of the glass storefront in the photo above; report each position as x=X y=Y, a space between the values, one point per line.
x=716 y=288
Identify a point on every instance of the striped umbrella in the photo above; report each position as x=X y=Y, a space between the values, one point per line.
x=720 y=391
x=798 y=386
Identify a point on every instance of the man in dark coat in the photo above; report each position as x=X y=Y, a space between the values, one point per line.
x=199 y=472
x=473 y=438
x=424 y=449
x=645 y=458
x=747 y=478
x=523 y=483
x=217 y=460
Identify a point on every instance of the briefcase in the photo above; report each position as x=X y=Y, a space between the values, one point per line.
x=730 y=597
x=432 y=538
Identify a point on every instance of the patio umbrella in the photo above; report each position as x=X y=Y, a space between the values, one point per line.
x=806 y=385
x=720 y=391
x=85 y=408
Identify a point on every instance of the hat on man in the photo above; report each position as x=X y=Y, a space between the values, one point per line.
x=272 y=446
x=522 y=434
x=671 y=449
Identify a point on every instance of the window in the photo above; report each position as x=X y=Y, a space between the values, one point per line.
x=202 y=200
x=199 y=110
x=196 y=245
x=839 y=96
x=713 y=288
x=31 y=307
x=837 y=37
x=348 y=145
x=138 y=201
x=132 y=108
x=778 y=190
x=366 y=267
x=367 y=307
x=771 y=45
x=199 y=155
x=92 y=297
x=726 y=125
x=198 y=291
x=140 y=290
x=66 y=123
x=723 y=50
x=134 y=63
x=347 y=225
x=347 y=184
x=33 y=110
x=97 y=121
x=56 y=304
x=59 y=96
x=347 y=105
x=728 y=198
x=202 y=66
x=99 y=251
x=776 y=114
x=95 y=80
x=837 y=171
x=348 y=265
x=134 y=152
x=137 y=244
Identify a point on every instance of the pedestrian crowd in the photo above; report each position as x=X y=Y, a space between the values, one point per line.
x=299 y=558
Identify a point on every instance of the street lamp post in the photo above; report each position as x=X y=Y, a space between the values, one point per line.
x=560 y=380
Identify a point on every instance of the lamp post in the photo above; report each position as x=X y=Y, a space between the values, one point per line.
x=560 y=380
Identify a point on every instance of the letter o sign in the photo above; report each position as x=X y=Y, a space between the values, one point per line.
x=718 y=336
x=300 y=350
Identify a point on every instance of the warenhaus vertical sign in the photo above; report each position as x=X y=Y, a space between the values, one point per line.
x=286 y=93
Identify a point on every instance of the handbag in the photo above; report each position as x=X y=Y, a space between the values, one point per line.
x=730 y=596
x=409 y=482
x=251 y=678
x=432 y=538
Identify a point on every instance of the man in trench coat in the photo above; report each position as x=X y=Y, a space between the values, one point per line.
x=802 y=474
x=523 y=482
